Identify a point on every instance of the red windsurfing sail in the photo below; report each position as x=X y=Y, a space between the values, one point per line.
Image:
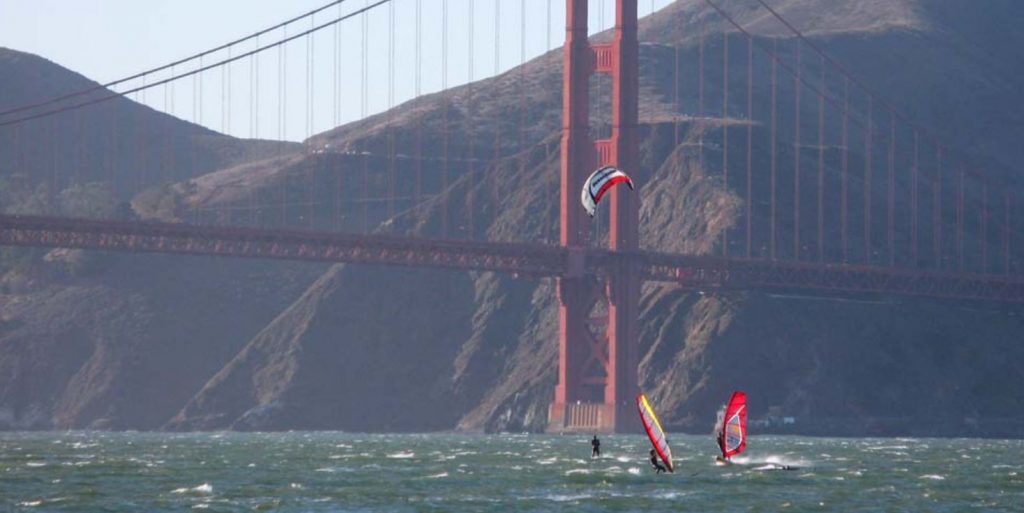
x=654 y=431
x=732 y=438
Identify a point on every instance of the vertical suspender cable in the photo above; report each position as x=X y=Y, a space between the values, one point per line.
x=493 y=179
x=418 y=186
x=1006 y=232
x=914 y=177
x=339 y=221
x=363 y=110
x=254 y=75
x=750 y=141
x=310 y=91
x=195 y=148
x=282 y=99
x=772 y=143
x=867 y=182
x=937 y=210
x=199 y=121
x=444 y=121
x=821 y=163
x=551 y=191
x=960 y=220
x=891 y=194
x=675 y=98
x=700 y=100
x=172 y=162
x=796 y=157
x=725 y=131
x=522 y=89
x=470 y=164
x=845 y=178
x=224 y=106
x=984 y=227
x=391 y=104
x=140 y=143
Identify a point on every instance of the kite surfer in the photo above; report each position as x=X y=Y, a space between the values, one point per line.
x=595 y=445
x=658 y=467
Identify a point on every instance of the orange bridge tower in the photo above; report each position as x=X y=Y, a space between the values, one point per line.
x=598 y=315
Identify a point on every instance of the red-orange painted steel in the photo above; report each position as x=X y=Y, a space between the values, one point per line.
x=528 y=260
x=574 y=297
x=289 y=244
x=623 y=235
x=613 y=382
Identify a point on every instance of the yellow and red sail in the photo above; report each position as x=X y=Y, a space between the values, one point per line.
x=654 y=431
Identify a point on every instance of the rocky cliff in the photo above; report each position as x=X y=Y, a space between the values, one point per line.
x=368 y=348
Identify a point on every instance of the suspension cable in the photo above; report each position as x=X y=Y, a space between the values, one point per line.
x=141 y=74
x=196 y=71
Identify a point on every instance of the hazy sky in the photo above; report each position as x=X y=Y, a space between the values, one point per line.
x=110 y=39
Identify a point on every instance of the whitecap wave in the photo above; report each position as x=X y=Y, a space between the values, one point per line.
x=887 y=448
x=775 y=460
x=404 y=455
x=568 y=497
x=669 y=495
x=203 y=489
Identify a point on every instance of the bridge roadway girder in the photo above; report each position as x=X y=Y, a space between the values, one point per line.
x=834 y=279
x=147 y=237
x=530 y=260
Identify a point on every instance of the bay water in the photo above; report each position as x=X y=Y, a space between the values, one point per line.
x=345 y=472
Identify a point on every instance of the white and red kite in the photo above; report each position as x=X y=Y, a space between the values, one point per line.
x=599 y=183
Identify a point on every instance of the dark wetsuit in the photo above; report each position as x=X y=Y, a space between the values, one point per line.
x=596 y=444
x=656 y=464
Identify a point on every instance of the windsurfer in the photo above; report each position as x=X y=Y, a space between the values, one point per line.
x=656 y=434
x=721 y=460
x=657 y=465
x=595 y=445
x=731 y=435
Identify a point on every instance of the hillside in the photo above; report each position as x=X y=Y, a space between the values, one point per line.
x=94 y=340
x=477 y=351
x=119 y=142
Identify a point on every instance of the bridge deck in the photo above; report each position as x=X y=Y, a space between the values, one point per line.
x=526 y=259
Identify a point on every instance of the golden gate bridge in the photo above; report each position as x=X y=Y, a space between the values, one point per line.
x=841 y=193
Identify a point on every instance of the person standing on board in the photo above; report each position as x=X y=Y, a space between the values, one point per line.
x=721 y=460
x=656 y=464
x=595 y=445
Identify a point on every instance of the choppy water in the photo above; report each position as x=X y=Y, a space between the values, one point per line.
x=134 y=472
